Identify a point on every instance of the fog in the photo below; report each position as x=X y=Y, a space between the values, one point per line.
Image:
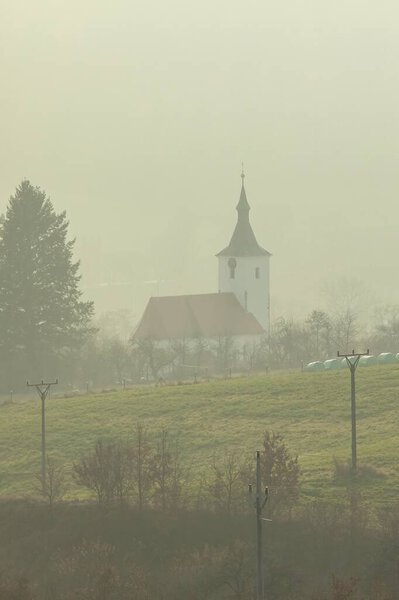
x=135 y=117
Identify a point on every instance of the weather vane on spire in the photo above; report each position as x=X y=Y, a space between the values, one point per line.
x=242 y=173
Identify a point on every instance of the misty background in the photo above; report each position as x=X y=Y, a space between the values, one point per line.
x=135 y=117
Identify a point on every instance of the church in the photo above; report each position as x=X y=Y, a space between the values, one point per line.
x=240 y=309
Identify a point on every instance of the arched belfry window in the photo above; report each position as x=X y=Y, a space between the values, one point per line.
x=232 y=267
x=257 y=273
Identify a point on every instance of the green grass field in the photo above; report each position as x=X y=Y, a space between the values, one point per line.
x=311 y=410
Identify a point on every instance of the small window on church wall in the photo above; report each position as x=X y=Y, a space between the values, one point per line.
x=257 y=273
x=232 y=267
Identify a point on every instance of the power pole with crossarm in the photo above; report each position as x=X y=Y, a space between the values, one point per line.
x=43 y=389
x=352 y=362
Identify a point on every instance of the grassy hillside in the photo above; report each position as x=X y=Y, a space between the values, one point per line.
x=312 y=410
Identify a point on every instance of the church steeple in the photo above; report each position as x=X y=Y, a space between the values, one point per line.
x=244 y=266
x=243 y=241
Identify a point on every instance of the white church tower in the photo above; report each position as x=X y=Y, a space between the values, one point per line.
x=244 y=266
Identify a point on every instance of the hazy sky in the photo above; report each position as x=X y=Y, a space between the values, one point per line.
x=135 y=116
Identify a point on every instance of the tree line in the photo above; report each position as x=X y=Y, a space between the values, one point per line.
x=48 y=330
x=107 y=359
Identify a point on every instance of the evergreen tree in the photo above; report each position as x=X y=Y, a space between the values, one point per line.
x=43 y=320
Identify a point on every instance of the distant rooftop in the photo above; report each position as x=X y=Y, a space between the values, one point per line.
x=200 y=315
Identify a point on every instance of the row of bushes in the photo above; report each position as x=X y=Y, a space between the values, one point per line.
x=147 y=471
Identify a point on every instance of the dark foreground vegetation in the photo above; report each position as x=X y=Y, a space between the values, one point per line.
x=87 y=552
x=150 y=534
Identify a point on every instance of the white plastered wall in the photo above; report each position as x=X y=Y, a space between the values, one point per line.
x=252 y=293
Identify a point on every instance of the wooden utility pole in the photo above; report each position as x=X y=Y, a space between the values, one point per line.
x=260 y=501
x=43 y=388
x=352 y=361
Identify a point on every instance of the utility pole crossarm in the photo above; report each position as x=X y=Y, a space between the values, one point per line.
x=353 y=354
x=43 y=386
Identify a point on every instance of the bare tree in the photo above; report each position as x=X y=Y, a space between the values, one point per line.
x=181 y=350
x=53 y=487
x=319 y=325
x=225 y=350
x=280 y=472
x=288 y=343
x=166 y=474
x=104 y=471
x=151 y=356
x=348 y=301
x=257 y=355
x=118 y=357
x=227 y=482
x=237 y=572
x=345 y=330
x=140 y=460
x=200 y=348
x=121 y=471
x=386 y=333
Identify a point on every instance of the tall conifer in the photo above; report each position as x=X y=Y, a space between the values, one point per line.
x=43 y=319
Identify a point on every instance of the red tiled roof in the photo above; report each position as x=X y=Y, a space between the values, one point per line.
x=200 y=315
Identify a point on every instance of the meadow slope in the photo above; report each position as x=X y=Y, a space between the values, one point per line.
x=311 y=410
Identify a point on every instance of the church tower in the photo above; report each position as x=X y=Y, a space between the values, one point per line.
x=244 y=266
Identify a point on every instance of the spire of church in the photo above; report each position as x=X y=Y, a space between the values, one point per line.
x=243 y=206
x=243 y=241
